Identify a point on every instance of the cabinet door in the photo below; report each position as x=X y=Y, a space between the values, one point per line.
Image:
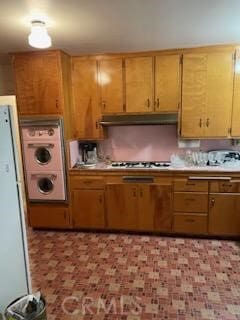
x=207 y=94
x=38 y=84
x=167 y=83
x=88 y=208
x=219 y=86
x=111 y=79
x=155 y=207
x=224 y=214
x=48 y=216
x=235 y=131
x=122 y=206
x=139 y=84
x=193 y=95
x=86 y=103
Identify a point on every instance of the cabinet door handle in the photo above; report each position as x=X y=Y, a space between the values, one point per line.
x=104 y=104
x=57 y=103
x=212 y=201
x=134 y=193
x=157 y=103
x=207 y=122
x=100 y=199
x=148 y=103
x=200 y=123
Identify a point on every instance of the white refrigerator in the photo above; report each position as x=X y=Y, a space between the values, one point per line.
x=14 y=266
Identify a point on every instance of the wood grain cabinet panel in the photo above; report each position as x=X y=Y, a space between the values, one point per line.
x=139 y=84
x=88 y=208
x=235 y=127
x=38 y=83
x=111 y=81
x=207 y=88
x=190 y=223
x=190 y=185
x=190 y=202
x=48 y=216
x=167 y=83
x=122 y=206
x=224 y=214
x=86 y=99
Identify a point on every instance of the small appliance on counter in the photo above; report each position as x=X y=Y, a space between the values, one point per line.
x=88 y=152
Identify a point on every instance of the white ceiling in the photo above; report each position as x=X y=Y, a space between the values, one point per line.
x=97 y=26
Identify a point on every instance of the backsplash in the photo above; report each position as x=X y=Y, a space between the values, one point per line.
x=149 y=143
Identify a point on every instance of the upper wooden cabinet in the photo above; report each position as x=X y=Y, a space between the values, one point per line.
x=139 y=84
x=235 y=131
x=207 y=89
x=39 y=86
x=111 y=82
x=167 y=83
x=86 y=101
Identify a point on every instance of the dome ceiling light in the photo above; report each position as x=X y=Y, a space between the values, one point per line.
x=39 y=37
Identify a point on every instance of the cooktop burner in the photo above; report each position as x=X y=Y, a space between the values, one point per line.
x=140 y=164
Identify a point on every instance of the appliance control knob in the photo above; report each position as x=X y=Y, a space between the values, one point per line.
x=31 y=132
x=40 y=133
x=51 y=132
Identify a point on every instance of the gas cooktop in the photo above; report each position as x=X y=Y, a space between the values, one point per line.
x=140 y=165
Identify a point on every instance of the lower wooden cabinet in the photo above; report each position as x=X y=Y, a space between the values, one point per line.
x=88 y=208
x=190 y=223
x=224 y=214
x=48 y=216
x=122 y=206
x=139 y=207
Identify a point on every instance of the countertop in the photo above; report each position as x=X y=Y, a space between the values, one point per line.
x=108 y=168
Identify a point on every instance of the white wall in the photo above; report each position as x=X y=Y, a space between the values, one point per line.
x=6 y=80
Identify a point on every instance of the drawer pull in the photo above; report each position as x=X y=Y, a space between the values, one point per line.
x=138 y=179
x=212 y=201
x=190 y=199
x=209 y=178
x=87 y=181
x=190 y=183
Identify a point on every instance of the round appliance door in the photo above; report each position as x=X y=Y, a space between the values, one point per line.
x=45 y=185
x=42 y=156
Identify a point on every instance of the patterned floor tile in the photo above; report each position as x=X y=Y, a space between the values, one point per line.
x=132 y=277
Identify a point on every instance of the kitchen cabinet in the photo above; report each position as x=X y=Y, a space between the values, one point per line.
x=235 y=128
x=38 y=78
x=86 y=99
x=224 y=214
x=122 y=206
x=207 y=88
x=167 y=83
x=87 y=201
x=139 y=84
x=139 y=206
x=111 y=82
x=155 y=207
x=48 y=216
x=88 y=208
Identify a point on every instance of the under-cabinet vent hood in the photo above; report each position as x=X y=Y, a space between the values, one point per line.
x=149 y=119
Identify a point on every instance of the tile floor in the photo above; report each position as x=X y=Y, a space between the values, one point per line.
x=116 y=276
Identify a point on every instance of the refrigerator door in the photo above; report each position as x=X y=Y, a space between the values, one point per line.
x=13 y=254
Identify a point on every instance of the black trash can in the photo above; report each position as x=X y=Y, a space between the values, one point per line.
x=38 y=315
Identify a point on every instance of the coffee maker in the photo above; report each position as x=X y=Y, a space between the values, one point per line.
x=89 y=153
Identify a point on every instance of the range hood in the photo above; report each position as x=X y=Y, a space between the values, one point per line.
x=146 y=119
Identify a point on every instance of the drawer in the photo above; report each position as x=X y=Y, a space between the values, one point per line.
x=190 y=185
x=79 y=182
x=190 y=202
x=232 y=186
x=190 y=223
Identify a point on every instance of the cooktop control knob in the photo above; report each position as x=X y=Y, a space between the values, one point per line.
x=31 y=132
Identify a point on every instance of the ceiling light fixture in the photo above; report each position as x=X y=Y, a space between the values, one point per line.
x=39 y=38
